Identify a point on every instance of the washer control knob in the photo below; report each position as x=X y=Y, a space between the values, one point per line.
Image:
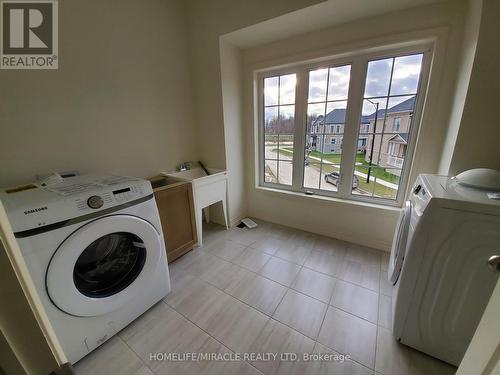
x=95 y=202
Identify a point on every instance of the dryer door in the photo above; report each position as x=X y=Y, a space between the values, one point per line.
x=399 y=243
x=104 y=264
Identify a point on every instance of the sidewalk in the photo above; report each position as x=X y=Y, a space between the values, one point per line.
x=357 y=173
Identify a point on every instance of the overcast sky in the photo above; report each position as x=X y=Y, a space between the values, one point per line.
x=404 y=82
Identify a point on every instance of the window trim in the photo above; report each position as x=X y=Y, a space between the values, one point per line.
x=359 y=59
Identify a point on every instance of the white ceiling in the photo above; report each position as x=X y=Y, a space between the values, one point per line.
x=323 y=15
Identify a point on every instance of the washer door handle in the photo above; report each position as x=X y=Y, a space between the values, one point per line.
x=494 y=263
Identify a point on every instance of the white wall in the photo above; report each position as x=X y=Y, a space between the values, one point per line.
x=120 y=102
x=467 y=53
x=207 y=21
x=365 y=224
x=232 y=81
x=477 y=142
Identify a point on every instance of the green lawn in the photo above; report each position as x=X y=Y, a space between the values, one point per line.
x=333 y=158
x=376 y=171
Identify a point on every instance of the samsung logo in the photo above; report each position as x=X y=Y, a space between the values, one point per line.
x=27 y=212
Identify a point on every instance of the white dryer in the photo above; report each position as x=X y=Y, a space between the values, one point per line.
x=439 y=265
x=94 y=248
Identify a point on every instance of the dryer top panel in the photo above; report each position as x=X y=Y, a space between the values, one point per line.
x=33 y=206
x=457 y=196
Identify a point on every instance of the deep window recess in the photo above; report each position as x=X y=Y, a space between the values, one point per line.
x=353 y=141
x=109 y=264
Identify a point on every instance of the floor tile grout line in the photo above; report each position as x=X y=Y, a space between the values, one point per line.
x=290 y=288
x=274 y=256
x=253 y=308
x=328 y=305
x=136 y=354
x=236 y=298
x=312 y=248
x=350 y=313
x=270 y=257
x=350 y=359
x=210 y=335
x=289 y=261
x=295 y=290
x=281 y=301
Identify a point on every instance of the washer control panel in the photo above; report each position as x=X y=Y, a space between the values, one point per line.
x=95 y=202
x=109 y=198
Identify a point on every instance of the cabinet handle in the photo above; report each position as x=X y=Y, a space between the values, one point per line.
x=494 y=263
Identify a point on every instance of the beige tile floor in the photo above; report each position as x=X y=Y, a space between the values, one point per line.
x=268 y=290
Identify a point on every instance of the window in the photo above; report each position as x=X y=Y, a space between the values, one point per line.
x=390 y=148
x=304 y=106
x=279 y=112
x=396 y=124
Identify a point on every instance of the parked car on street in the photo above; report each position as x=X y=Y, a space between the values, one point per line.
x=333 y=178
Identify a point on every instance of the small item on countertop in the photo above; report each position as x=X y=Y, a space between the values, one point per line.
x=184 y=166
x=203 y=167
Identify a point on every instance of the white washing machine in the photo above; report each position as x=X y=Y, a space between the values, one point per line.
x=439 y=265
x=94 y=248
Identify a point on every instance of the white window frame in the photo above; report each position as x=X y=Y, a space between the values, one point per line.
x=333 y=141
x=359 y=64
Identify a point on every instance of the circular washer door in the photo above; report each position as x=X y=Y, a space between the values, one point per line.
x=399 y=243
x=103 y=264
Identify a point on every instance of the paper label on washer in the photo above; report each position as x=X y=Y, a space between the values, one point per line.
x=65 y=190
x=115 y=180
x=494 y=196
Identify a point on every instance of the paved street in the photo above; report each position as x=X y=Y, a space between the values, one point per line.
x=359 y=174
x=312 y=176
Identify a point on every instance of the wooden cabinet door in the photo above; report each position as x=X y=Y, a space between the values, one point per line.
x=175 y=205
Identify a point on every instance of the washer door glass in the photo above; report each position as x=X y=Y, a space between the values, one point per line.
x=104 y=264
x=109 y=264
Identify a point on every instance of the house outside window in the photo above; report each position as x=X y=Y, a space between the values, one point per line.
x=298 y=151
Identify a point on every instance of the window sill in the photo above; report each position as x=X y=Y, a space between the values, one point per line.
x=293 y=195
